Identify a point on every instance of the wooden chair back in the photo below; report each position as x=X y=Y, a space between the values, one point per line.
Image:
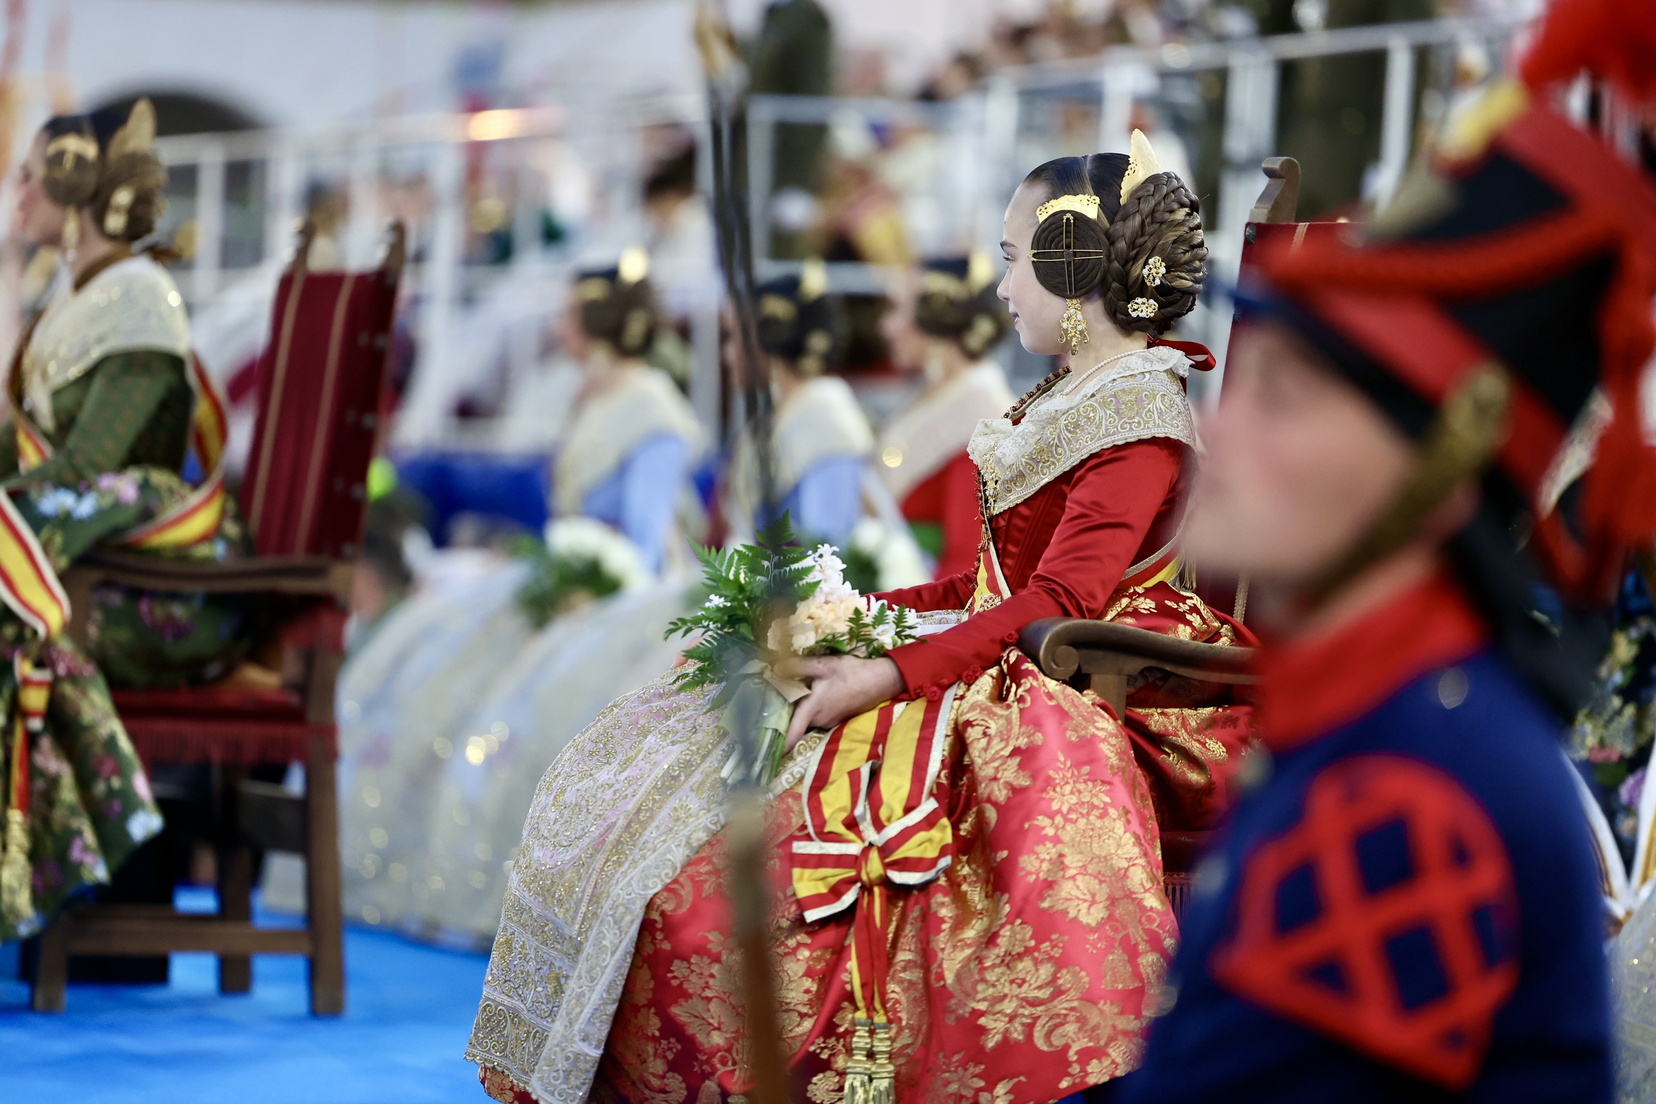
x=320 y=383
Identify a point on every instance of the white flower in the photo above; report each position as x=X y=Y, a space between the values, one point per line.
x=716 y=601
x=143 y=824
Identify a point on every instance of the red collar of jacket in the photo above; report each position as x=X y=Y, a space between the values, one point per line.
x=1317 y=684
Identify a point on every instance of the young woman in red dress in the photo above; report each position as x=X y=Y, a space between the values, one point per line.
x=990 y=913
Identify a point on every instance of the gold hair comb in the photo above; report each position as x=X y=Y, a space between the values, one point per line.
x=72 y=146
x=1080 y=204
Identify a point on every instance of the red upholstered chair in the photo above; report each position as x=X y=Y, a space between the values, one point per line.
x=1104 y=657
x=304 y=498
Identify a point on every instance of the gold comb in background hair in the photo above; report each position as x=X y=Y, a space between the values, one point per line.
x=1080 y=204
x=137 y=134
x=72 y=147
x=980 y=271
x=633 y=267
x=813 y=280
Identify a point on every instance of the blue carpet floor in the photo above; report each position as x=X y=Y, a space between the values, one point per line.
x=409 y=1010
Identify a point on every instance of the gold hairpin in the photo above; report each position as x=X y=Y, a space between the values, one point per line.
x=1142 y=164
x=779 y=307
x=813 y=279
x=1080 y=204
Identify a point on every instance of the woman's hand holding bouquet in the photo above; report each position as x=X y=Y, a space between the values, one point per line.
x=777 y=614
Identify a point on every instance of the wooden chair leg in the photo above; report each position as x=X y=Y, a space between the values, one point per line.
x=234 y=876
x=324 y=910
x=235 y=888
x=52 y=971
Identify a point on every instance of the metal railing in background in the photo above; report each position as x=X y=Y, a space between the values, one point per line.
x=1025 y=116
x=501 y=204
x=500 y=207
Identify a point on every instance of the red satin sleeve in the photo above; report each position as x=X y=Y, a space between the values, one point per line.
x=952 y=592
x=1113 y=501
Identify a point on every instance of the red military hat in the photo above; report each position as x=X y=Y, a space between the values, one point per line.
x=1512 y=281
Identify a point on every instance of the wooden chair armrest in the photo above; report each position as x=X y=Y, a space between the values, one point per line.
x=295 y=576
x=1064 y=647
x=1109 y=654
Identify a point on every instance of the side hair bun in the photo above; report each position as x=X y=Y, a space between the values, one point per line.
x=71 y=175
x=1069 y=251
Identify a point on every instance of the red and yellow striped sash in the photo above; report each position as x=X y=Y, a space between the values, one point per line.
x=872 y=813
x=875 y=813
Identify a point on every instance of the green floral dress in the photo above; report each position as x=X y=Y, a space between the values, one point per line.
x=103 y=376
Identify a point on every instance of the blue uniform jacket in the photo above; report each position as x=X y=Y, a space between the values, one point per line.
x=1403 y=908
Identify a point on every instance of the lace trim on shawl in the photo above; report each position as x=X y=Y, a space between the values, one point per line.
x=1142 y=397
x=130 y=306
x=628 y=803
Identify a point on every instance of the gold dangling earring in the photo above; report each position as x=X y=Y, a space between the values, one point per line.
x=71 y=231
x=1072 y=327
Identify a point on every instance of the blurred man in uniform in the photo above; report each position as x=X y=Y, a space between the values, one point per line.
x=1405 y=905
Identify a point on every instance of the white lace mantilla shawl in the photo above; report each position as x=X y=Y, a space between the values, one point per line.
x=131 y=306
x=620 y=812
x=919 y=441
x=1137 y=397
x=645 y=403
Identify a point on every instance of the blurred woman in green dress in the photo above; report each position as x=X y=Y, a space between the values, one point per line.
x=105 y=406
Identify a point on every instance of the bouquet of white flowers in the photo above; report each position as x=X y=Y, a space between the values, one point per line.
x=769 y=601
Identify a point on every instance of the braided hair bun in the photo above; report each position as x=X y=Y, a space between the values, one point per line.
x=618 y=306
x=800 y=323
x=1157 y=256
x=1145 y=256
x=958 y=301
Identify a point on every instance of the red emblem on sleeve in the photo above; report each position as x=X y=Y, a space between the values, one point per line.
x=1386 y=919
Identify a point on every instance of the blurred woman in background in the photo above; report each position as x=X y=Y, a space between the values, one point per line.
x=406 y=700
x=944 y=322
x=103 y=394
x=820 y=439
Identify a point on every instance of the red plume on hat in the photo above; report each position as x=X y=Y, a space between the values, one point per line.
x=1615 y=40
x=1530 y=245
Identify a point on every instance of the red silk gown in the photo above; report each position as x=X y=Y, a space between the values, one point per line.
x=1020 y=931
